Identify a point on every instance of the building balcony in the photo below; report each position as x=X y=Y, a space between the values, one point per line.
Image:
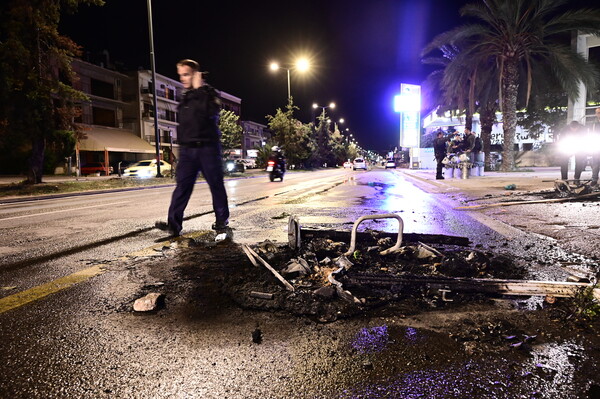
x=163 y=93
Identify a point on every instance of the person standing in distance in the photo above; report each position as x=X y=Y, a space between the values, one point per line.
x=595 y=147
x=571 y=138
x=439 y=151
x=199 y=149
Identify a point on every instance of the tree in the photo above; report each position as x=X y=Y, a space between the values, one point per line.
x=545 y=110
x=291 y=134
x=231 y=131
x=519 y=37
x=463 y=85
x=36 y=96
x=324 y=152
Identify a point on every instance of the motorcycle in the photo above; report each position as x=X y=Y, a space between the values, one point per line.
x=276 y=170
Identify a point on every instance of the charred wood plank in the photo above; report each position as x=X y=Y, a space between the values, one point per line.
x=287 y=285
x=491 y=286
x=338 y=235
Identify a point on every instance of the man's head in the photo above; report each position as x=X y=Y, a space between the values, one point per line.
x=440 y=134
x=598 y=113
x=467 y=130
x=186 y=70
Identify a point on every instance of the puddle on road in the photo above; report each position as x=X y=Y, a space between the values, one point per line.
x=408 y=362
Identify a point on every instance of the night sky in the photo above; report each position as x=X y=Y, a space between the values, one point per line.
x=360 y=50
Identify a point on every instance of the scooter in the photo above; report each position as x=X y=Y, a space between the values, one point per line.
x=276 y=170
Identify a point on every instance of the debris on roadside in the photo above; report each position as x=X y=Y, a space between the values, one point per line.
x=283 y=215
x=257 y=336
x=261 y=295
x=149 y=302
x=328 y=277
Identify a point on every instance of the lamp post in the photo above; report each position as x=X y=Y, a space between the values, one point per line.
x=323 y=108
x=154 y=94
x=301 y=65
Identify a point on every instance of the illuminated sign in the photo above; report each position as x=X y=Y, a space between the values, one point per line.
x=408 y=104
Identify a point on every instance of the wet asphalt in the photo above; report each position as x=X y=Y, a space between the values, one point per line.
x=87 y=342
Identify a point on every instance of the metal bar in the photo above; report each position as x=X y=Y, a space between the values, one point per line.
x=338 y=235
x=371 y=217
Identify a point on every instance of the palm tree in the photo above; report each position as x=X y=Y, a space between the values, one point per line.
x=518 y=37
x=466 y=87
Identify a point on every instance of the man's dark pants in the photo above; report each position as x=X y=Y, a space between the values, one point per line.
x=595 y=167
x=580 y=161
x=440 y=166
x=192 y=160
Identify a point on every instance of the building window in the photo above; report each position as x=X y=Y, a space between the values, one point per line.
x=102 y=89
x=104 y=117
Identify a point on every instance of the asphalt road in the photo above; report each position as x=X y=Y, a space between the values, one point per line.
x=45 y=239
x=84 y=340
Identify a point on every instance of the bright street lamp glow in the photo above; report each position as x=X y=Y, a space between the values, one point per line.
x=341 y=120
x=332 y=105
x=302 y=65
x=274 y=66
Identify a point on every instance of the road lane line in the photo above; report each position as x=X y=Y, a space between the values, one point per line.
x=41 y=291
x=63 y=210
x=33 y=294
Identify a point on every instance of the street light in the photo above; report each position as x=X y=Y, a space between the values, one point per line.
x=323 y=108
x=301 y=65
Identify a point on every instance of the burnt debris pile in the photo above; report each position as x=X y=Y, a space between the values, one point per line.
x=317 y=276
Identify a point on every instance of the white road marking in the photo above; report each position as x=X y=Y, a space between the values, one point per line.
x=64 y=210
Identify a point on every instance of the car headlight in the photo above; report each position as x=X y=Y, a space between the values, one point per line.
x=230 y=166
x=569 y=146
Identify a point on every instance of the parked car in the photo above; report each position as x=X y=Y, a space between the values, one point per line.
x=359 y=163
x=347 y=164
x=249 y=163
x=122 y=165
x=147 y=168
x=390 y=163
x=95 y=167
x=234 y=166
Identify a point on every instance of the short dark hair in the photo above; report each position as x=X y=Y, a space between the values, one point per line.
x=190 y=63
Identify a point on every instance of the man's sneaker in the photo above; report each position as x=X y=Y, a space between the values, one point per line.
x=219 y=226
x=439 y=178
x=166 y=227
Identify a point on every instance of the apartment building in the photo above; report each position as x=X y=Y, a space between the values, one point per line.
x=140 y=112
x=255 y=135
x=107 y=135
x=118 y=119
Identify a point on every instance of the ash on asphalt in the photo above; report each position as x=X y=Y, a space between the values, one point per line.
x=477 y=347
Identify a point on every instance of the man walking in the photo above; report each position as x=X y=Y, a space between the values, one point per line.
x=199 y=149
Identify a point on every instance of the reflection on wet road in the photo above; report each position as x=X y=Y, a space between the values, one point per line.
x=381 y=191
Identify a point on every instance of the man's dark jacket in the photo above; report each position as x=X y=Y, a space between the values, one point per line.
x=199 y=116
x=439 y=147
